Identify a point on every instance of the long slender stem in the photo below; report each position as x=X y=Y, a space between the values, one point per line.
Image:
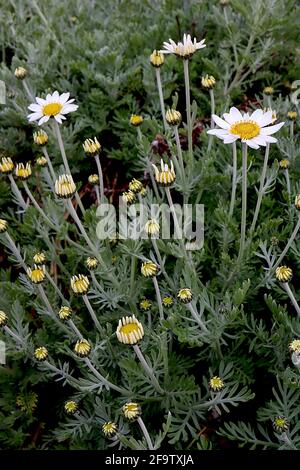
x=188 y=107
x=14 y=335
x=75 y=329
x=161 y=264
x=158 y=296
x=289 y=292
x=212 y=123
x=51 y=169
x=146 y=433
x=100 y=174
x=288 y=183
x=92 y=313
x=154 y=185
x=244 y=202
x=174 y=215
x=161 y=96
x=83 y=231
x=39 y=209
x=27 y=89
x=292 y=129
x=103 y=380
x=179 y=152
x=148 y=369
x=56 y=288
x=234 y=178
x=65 y=160
x=288 y=245
x=132 y=274
x=261 y=189
x=17 y=192
x=15 y=251
x=46 y=301
x=97 y=189
x=196 y=316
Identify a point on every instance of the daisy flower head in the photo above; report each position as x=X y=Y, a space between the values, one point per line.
x=129 y=330
x=165 y=175
x=55 y=106
x=252 y=129
x=71 y=407
x=184 y=49
x=109 y=429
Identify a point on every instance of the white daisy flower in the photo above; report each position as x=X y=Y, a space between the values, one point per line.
x=54 y=105
x=184 y=49
x=250 y=128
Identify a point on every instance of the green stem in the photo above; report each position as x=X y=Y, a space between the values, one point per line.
x=46 y=155
x=288 y=183
x=39 y=209
x=145 y=431
x=14 y=335
x=292 y=129
x=179 y=152
x=158 y=296
x=196 y=316
x=261 y=189
x=27 y=89
x=234 y=179
x=289 y=292
x=161 y=265
x=103 y=380
x=161 y=97
x=148 y=369
x=288 y=245
x=65 y=160
x=15 y=251
x=212 y=123
x=56 y=288
x=100 y=174
x=17 y=192
x=244 y=202
x=92 y=313
x=132 y=274
x=188 y=108
x=82 y=230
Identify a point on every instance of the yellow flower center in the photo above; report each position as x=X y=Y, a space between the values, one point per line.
x=245 y=129
x=129 y=328
x=52 y=109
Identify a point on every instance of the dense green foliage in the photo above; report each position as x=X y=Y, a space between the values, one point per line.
x=99 y=52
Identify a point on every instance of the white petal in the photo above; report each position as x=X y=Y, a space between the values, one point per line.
x=218 y=132
x=271 y=129
x=246 y=116
x=64 y=98
x=220 y=122
x=235 y=113
x=43 y=120
x=69 y=108
x=259 y=140
x=34 y=107
x=230 y=139
x=256 y=114
x=270 y=140
x=55 y=95
x=265 y=119
x=251 y=144
x=48 y=98
x=34 y=116
x=229 y=118
x=40 y=101
x=58 y=118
